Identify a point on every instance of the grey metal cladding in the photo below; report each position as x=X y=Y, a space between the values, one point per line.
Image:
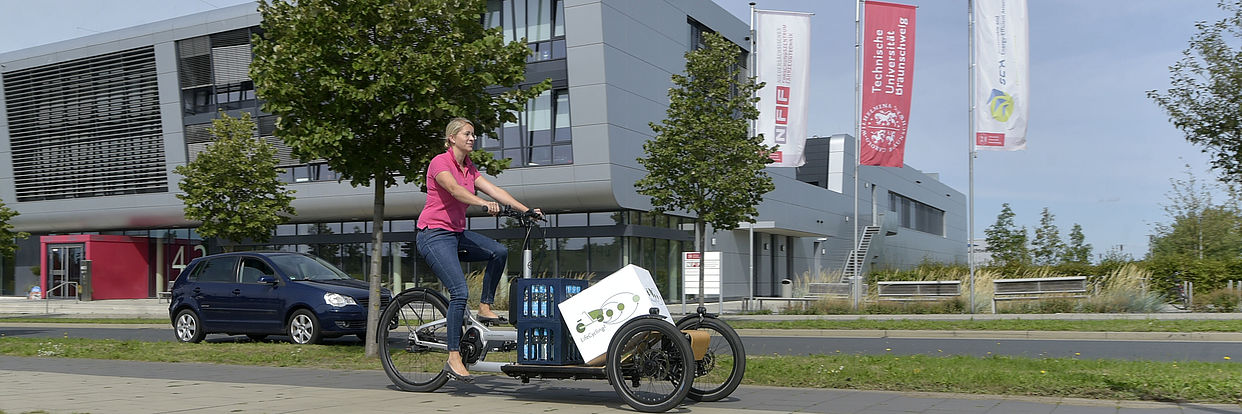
x=87 y=127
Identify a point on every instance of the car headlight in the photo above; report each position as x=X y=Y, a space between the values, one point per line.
x=338 y=300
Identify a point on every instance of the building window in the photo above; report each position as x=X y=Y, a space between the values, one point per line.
x=214 y=72
x=916 y=215
x=540 y=22
x=541 y=135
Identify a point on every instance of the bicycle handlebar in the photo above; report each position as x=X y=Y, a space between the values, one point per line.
x=527 y=218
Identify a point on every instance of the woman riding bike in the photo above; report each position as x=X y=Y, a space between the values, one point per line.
x=452 y=180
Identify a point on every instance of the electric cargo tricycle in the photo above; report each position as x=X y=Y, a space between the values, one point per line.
x=651 y=363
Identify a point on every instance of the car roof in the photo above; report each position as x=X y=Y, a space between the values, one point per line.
x=264 y=253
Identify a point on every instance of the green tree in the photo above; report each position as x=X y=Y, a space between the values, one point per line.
x=1047 y=246
x=1078 y=251
x=233 y=187
x=1204 y=100
x=1200 y=227
x=1202 y=242
x=369 y=86
x=1006 y=241
x=703 y=159
x=8 y=237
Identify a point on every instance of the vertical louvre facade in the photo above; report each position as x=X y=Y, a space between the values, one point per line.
x=87 y=127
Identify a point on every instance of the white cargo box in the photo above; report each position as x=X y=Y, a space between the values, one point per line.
x=596 y=313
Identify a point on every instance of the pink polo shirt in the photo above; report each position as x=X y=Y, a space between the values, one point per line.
x=443 y=211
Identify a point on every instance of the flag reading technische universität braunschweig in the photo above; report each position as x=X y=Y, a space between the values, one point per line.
x=887 y=81
x=1002 y=88
x=783 y=62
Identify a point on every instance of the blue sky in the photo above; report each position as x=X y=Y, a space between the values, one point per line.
x=1100 y=153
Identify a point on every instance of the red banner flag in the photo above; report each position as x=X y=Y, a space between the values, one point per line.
x=887 y=79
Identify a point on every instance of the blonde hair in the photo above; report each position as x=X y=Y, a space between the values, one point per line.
x=454 y=126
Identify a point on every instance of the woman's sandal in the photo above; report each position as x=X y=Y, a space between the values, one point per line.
x=463 y=378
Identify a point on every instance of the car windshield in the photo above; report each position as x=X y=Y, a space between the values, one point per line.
x=299 y=267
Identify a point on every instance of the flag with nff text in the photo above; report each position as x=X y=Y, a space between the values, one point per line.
x=783 y=62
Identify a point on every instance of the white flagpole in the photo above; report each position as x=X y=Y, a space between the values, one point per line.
x=970 y=225
x=855 y=289
x=753 y=62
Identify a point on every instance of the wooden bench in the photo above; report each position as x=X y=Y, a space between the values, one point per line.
x=1038 y=288
x=815 y=291
x=918 y=290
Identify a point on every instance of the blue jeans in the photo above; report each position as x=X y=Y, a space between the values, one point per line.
x=440 y=250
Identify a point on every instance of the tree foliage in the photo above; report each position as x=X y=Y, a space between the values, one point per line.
x=369 y=86
x=8 y=237
x=703 y=159
x=1006 y=241
x=1047 y=247
x=233 y=187
x=1202 y=242
x=1204 y=99
x=1078 y=251
x=1199 y=227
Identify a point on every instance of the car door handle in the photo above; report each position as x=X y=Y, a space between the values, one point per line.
x=197 y=291
x=236 y=291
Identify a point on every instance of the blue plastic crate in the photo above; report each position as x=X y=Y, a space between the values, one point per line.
x=536 y=298
x=546 y=343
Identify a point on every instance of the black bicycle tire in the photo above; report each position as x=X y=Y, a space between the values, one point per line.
x=620 y=383
x=384 y=342
x=739 y=358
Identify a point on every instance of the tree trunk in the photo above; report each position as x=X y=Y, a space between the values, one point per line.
x=377 y=255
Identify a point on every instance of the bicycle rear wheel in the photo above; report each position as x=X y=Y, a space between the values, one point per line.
x=410 y=366
x=722 y=368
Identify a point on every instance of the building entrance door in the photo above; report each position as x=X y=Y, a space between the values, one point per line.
x=64 y=263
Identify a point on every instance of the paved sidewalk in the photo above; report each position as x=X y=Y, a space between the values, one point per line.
x=57 y=385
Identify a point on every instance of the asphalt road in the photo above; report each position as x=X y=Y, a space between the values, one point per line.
x=794 y=345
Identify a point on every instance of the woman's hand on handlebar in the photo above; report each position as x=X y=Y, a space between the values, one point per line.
x=492 y=207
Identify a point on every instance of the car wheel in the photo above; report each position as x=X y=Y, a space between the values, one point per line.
x=256 y=337
x=304 y=328
x=188 y=327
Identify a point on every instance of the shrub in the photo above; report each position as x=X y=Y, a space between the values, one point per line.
x=1219 y=300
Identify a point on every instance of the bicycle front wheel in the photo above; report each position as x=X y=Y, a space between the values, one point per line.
x=650 y=365
x=721 y=369
x=410 y=364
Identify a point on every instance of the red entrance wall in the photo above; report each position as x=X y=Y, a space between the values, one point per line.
x=120 y=265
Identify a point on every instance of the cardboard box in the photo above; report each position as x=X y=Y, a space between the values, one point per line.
x=595 y=314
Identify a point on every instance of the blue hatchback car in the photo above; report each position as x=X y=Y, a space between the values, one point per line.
x=268 y=293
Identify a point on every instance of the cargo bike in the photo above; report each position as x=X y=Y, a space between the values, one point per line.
x=651 y=363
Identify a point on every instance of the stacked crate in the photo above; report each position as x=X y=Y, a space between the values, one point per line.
x=543 y=338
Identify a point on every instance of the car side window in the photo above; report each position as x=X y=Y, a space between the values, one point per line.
x=253 y=268
x=221 y=270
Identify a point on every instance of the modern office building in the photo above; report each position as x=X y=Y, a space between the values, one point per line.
x=92 y=128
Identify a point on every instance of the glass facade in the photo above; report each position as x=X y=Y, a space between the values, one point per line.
x=584 y=245
x=541 y=134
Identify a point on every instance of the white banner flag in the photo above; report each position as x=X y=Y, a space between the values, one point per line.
x=783 y=61
x=1002 y=75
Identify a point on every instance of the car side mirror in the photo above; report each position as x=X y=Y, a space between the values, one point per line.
x=271 y=280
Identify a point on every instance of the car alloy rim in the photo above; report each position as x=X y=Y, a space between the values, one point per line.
x=185 y=327
x=301 y=329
